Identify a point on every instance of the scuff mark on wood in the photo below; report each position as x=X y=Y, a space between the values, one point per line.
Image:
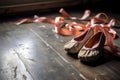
x=15 y=72
x=24 y=77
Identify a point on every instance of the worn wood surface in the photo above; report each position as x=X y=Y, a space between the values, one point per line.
x=35 y=52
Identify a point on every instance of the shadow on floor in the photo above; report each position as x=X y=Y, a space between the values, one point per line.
x=106 y=57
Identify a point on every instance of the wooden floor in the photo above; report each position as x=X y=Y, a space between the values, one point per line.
x=35 y=52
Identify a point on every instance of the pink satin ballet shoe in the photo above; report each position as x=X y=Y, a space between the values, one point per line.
x=74 y=45
x=93 y=49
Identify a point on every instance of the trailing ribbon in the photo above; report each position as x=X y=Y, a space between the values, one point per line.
x=84 y=17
